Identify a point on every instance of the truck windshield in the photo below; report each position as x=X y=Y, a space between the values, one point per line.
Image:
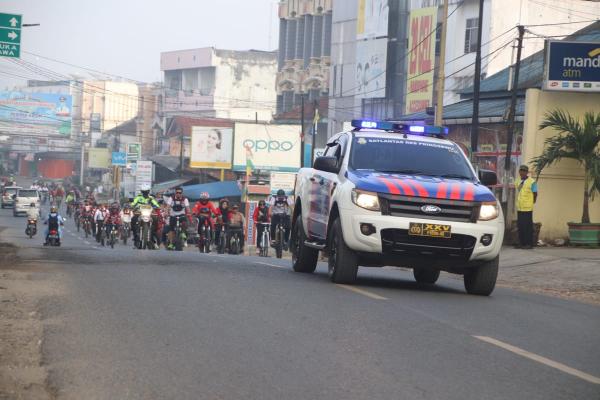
x=405 y=156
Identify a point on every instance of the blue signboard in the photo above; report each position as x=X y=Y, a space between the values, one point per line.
x=119 y=158
x=572 y=66
x=37 y=113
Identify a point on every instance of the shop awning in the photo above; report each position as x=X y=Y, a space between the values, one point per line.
x=216 y=190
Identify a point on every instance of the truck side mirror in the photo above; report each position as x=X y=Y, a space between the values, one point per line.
x=327 y=164
x=487 y=177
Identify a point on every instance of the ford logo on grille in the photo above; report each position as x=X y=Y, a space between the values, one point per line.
x=431 y=209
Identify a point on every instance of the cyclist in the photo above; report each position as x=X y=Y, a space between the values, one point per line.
x=280 y=207
x=237 y=222
x=260 y=217
x=204 y=210
x=179 y=209
x=113 y=219
x=100 y=217
x=223 y=217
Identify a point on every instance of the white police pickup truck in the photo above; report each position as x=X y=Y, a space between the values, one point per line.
x=400 y=195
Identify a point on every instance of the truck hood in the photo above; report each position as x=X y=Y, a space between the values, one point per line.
x=420 y=186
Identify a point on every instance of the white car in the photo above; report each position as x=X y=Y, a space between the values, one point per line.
x=23 y=199
x=393 y=194
x=7 y=196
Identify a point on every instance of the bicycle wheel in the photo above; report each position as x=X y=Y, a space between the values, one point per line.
x=278 y=243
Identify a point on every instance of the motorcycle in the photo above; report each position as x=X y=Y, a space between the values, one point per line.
x=205 y=238
x=146 y=241
x=31 y=229
x=53 y=238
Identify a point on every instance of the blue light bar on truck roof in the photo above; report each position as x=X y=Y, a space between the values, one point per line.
x=427 y=130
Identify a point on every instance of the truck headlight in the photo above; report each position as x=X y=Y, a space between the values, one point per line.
x=488 y=211
x=366 y=200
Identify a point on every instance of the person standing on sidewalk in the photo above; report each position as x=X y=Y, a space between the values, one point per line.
x=526 y=190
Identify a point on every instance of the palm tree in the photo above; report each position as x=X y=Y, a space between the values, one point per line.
x=578 y=141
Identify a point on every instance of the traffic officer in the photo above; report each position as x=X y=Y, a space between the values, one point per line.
x=526 y=190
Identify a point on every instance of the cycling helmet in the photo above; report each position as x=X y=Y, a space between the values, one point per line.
x=114 y=206
x=178 y=189
x=127 y=206
x=204 y=196
x=281 y=192
x=53 y=209
x=235 y=207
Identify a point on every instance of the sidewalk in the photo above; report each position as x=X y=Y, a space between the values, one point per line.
x=568 y=272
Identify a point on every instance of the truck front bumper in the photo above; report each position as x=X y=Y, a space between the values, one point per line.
x=469 y=242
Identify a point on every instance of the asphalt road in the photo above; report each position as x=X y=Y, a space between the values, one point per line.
x=183 y=325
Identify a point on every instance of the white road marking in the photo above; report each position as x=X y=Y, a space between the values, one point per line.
x=362 y=291
x=271 y=265
x=542 y=360
x=86 y=242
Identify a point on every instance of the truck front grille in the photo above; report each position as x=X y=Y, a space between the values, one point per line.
x=399 y=241
x=407 y=206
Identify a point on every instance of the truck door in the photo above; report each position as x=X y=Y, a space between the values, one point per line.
x=322 y=187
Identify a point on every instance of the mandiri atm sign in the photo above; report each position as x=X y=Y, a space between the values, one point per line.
x=572 y=66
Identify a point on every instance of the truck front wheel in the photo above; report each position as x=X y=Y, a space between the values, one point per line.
x=342 y=261
x=481 y=280
x=304 y=258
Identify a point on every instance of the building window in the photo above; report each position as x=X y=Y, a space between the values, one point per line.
x=471 y=35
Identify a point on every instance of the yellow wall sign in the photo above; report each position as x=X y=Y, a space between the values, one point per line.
x=421 y=59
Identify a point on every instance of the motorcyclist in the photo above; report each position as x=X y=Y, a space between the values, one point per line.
x=260 y=217
x=204 y=210
x=179 y=209
x=54 y=222
x=100 y=217
x=33 y=214
x=141 y=199
x=280 y=206
x=237 y=222
x=113 y=219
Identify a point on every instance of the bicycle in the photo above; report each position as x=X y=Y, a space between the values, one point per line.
x=87 y=226
x=279 y=240
x=235 y=242
x=265 y=239
x=205 y=237
x=112 y=236
x=180 y=236
x=77 y=218
x=222 y=241
x=125 y=231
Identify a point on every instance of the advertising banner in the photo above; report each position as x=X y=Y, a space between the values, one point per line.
x=143 y=174
x=211 y=147
x=572 y=66
x=421 y=62
x=36 y=113
x=373 y=18
x=134 y=151
x=250 y=229
x=371 y=56
x=283 y=181
x=272 y=147
x=99 y=158
x=119 y=158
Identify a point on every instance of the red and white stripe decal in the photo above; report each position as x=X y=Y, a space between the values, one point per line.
x=442 y=191
x=420 y=188
x=405 y=187
x=455 y=192
x=391 y=187
x=469 y=192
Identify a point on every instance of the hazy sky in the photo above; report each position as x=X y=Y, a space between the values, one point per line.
x=125 y=37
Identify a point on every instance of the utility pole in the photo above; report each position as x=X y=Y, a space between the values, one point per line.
x=439 y=109
x=510 y=131
x=301 y=129
x=181 y=155
x=82 y=163
x=477 y=79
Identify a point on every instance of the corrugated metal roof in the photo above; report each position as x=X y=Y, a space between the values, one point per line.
x=488 y=108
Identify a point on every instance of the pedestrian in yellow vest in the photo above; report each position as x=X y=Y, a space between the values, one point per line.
x=526 y=196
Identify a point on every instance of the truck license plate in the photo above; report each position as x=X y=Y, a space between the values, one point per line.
x=429 y=230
